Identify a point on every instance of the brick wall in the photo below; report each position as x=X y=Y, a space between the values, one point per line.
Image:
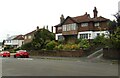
x=110 y=53
x=76 y=53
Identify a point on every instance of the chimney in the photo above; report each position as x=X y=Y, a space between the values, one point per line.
x=95 y=12
x=37 y=28
x=47 y=27
x=85 y=13
x=52 y=29
x=62 y=18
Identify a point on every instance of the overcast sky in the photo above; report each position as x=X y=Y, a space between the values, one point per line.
x=23 y=16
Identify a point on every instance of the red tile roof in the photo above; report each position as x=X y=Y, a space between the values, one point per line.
x=85 y=18
x=19 y=37
x=99 y=19
x=32 y=32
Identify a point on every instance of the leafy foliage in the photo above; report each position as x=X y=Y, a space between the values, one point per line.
x=112 y=26
x=27 y=46
x=51 y=45
x=100 y=41
x=41 y=38
x=114 y=41
x=59 y=47
x=84 y=43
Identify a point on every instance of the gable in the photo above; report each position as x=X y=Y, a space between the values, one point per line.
x=68 y=20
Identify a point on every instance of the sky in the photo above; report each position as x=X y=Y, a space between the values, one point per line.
x=23 y=16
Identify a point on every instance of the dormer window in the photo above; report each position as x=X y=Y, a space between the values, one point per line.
x=84 y=24
x=97 y=24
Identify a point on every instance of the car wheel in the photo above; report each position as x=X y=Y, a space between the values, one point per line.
x=14 y=56
x=27 y=56
x=21 y=56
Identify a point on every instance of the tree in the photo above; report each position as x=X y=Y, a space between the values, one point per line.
x=41 y=38
x=117 y=16
x=115 y=39
x=100 y=41
x=112 y=26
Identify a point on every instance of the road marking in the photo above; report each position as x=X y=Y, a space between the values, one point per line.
x=24 y=58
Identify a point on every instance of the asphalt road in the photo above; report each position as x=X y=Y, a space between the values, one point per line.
x=56 y=67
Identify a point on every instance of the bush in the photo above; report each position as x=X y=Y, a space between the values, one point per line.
x=14 y=50
x=59 y=47
x=27 y=46
x=84 y=43
x=68 y=47
x=51 y=45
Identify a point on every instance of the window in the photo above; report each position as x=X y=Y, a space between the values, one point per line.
x=97 y=24
x=25 y=37
x=29 y=37
x=98 y=34
x=84 y=24
x=84 y=36
x=10 y=41
x=89 y=35
x=59 y=28
x=64 y=27
x=60 y=37
x=69 y=27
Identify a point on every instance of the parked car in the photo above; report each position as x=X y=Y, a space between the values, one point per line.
x=21 y=54
x=5 y=54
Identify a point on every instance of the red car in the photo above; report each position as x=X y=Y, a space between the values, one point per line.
x=5 y=54
x=22 y=54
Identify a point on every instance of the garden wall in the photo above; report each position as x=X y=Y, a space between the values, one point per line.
x=111 y=53
x=60 y=53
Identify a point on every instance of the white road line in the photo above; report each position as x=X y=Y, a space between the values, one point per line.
x=24 y=58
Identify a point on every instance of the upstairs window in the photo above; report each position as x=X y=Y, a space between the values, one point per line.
x=70 y=27
x=29 y=37
x=97 y=24
x=59 y=28
x=64 y=28
x=25 y=37
x=84 y=24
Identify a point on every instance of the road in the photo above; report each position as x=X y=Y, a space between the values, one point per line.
x=56 y=67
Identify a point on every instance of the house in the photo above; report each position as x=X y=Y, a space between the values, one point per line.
x=1 y=48
x=83 y=26
x=29 y=36
x=14 y=41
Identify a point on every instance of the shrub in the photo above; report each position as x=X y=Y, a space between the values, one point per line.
x=71 y=47
x=59 y=47
x=27 y=46
x=51 y=45
x=75 y=47
x=84 y=43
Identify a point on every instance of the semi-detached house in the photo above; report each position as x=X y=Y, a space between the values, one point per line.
x=83 y=26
